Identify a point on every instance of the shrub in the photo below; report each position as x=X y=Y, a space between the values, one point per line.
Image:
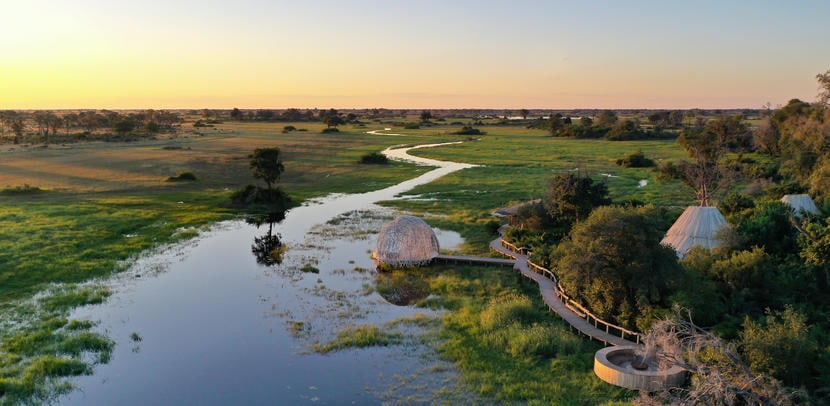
x=736 y=203
x=467 y=130
x=330 y=130
x=289 y=128
x=635 y=160
x=21 y=190
x=182 y=176
x=505 y=311
x=411 y=126
x=375 y=158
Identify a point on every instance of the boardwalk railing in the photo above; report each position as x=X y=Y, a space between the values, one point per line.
x=571 y=304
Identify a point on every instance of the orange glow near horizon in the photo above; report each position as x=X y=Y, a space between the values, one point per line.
x=94 y=54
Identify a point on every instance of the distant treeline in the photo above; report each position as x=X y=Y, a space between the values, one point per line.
x=49 y=126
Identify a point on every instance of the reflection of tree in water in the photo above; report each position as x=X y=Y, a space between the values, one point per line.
x=268 y=248
x=401 y=287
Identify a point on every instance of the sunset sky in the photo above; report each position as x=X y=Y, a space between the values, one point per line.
x=410 y=54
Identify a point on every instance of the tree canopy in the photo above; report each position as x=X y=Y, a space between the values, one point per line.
x=570 y=198
x=266 y=164
x=614 y=262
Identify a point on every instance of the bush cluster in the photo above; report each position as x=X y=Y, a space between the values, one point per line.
x=375 y=158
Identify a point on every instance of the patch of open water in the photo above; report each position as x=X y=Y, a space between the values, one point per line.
x=216 y=327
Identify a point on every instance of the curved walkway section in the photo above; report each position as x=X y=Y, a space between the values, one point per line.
x=575 y=315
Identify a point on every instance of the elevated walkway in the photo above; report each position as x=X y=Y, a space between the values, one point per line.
x=460 y=259
x=579 y=318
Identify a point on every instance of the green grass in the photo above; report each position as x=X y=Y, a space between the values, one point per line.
x=506 y=343
x=40 y=346
x=367 y=335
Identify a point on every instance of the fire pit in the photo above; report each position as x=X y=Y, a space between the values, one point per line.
x=631 y=366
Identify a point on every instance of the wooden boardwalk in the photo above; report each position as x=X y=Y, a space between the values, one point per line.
x=458 y=259
x=547 y=287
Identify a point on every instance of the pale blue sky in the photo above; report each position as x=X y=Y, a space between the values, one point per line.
x=424 y=54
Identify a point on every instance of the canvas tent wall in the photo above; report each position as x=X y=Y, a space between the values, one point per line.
x=800 y=204
x=697 y=226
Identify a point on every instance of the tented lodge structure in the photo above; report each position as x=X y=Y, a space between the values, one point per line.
x=800 y=204
x=697 y=226
x=406 y=241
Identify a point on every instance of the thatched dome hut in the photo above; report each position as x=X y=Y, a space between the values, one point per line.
x=800 y=203
x=406 y=241
x=697 y=226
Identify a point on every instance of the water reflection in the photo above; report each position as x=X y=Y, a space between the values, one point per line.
x=402 y=287
x=268 y=248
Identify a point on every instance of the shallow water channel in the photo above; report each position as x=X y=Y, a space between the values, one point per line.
x=204 y=323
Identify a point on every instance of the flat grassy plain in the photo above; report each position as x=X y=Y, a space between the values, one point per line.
x=102 y=204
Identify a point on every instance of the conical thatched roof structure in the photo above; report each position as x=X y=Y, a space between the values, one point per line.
x=697 y=226
x=800 y=203
x=406 y=241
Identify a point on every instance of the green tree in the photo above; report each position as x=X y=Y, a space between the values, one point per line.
x=815 y=246
x=331 y=118
x=606 y=118
x=570 y=198
x=558 y=124
x=586 y=121
x=123 y=124
x=625 y=130
x=9 y=118
x=706 y=145
x=266 y=164
x=824 y=87
x=524 y=113
x=17 y=128
x=614 y=263
x=426 y=115
x=781 y=346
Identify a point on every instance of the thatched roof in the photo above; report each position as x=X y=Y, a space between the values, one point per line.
x=406 y=241
x=697 y=226
x=800 y=203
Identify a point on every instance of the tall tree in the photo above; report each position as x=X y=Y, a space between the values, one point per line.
x=123 y=124
x=53 y=122
x=570 y=198
x=706 y=144
x=17 y=128
x=266 y=164
x=824 y=88
x=524 y=113
x=426 y=115
x=331 y=118
x=606 y=118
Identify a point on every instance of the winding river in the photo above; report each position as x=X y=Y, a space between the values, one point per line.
x=204 y=323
